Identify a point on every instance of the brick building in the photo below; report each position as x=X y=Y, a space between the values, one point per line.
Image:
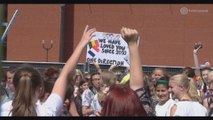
x=168 y=31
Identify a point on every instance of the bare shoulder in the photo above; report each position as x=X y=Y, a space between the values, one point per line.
x=173 y=110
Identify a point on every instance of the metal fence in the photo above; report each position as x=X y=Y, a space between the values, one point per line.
x=82 y=66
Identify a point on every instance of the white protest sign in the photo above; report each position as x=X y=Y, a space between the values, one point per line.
x=107 y=49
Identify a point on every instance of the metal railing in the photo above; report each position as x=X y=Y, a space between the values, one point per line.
x=43 y=65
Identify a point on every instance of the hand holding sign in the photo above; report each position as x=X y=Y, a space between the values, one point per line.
x=107 y=49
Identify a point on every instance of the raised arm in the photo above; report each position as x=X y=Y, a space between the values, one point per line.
x=136 y=74
x=112 y=67
x=62 y=81
x=195 y=55
x=97 y=66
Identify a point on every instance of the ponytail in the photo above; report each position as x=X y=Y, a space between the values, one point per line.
x=188 y=84
x=26 y=81
x=193 y=93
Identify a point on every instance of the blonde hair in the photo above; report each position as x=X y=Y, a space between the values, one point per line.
x=182 y=80
x=188 y=84
x=78 y=72
x=101 y=95
x=211 y=84
x=109 y=78
x=210 y=74
x=73 y=75
x=193 y=91
x=163 y=70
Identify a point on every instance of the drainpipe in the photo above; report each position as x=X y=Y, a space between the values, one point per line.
x=61 y=34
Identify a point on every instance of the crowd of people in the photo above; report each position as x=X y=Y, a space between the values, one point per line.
x=27 y=91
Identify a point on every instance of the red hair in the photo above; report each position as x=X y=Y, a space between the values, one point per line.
x=122 y=101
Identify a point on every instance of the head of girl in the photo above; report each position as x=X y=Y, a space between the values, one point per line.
x=179 y=85
x=162 y=90
x=27 y=82
x=78 y=75
x=122 y=101
x=158 y=73
x=109 y=78
x=204 y=74
x=83 y=85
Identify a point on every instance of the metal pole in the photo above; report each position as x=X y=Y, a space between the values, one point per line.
x=47 y=55
x=61 y=33
x=8 y=27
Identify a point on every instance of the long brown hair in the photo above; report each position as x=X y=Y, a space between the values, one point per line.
x=26 y=81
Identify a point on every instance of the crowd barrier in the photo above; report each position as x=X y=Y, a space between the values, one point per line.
x=86 y=67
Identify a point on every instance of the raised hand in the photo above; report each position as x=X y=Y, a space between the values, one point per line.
x=112 y=67
x=136 y=74
x=87 y=35
x=197 y=46
x=97 y=66
x=129 y=35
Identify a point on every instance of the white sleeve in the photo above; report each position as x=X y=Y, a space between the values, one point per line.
x=52 y=106
x=6 y=108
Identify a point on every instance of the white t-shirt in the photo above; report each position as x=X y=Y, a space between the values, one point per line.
x=87 y=97
x=190 y=108
x=95 y=105
x=51 y=107
x=164 y=110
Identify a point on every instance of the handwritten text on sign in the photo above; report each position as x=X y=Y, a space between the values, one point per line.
x=108 y=49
